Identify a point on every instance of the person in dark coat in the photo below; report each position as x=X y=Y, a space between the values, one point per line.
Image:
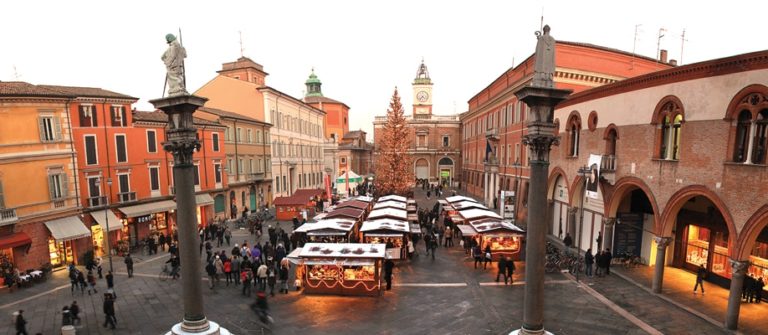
x=759 y=284
x=510 y=270
x=599 y=263
x=589 y=260
x=701 y=273
x=607 y=261
x=568 y=240
x=74 y=312
x=129 y=265
x=109 y=311
x=502 y=264
x=21 y=324
x=110 y=280
x=388 y=266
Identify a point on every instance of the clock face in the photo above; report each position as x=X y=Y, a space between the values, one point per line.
x=422 y=96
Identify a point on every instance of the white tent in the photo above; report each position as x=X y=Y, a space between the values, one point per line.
x=341 y=181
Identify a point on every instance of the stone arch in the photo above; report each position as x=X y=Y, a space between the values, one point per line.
x=608 y=129
x=676 y=202
x=574 y=116
x=754 y=226
x=659 y=113
x=578 y=185
x=421 y=162
x=624 y=186
x=552 y=181
x=445 y=161
x=733 y=110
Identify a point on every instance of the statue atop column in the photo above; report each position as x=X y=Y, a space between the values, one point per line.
x=174 y=64
x=544 y=63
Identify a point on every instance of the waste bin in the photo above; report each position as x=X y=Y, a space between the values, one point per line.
x=68 y=330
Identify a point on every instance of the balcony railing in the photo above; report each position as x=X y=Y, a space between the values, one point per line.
x=492 y=133
x=8 y=216
x=97 y=201
x=492 y=161
x=608 y=163
x=126 y=197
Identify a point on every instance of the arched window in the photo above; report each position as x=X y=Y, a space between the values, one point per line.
x=573 y=128
x=669 y=116
x=749 y=113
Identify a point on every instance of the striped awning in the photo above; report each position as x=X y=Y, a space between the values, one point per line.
x=68 y=228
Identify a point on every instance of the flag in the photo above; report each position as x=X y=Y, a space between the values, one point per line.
x=488 y=149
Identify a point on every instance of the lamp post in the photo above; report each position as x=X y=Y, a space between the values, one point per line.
x=518 y=167
x=584 y=172
x=541 y=96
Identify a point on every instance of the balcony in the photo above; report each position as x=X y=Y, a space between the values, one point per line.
x=97 y=201
x=256 y=176
x=126 y=197
x=608 y=168
x=8 y=216
x=492 y=134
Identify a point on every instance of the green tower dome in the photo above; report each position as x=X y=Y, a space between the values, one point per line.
x=313 y=85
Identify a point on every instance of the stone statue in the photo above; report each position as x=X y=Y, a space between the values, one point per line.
x=174 y=64
x=544 y=63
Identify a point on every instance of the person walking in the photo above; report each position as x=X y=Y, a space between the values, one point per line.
x=219 y=264
x=81 y=281
x=599 y=263
x=477 y=253
x=759 y=284
x=73 y=279
x=261 y=275
x=228 y=271
x=128 y=265
x=510 y=270
x=235 y=266
x=91 y=283
x=607 y=257
x=284 y=278
x=74 y=312
x=246 y=276
x=271 y=280
x=110 y=280
x=388 y=266
x=488 y=256
x=448 y=237
x=211 y=270
x=109 y=311
x=701 y=273
x=228 y=236
x=502 y=271
x=21 y=323
x=589 y=260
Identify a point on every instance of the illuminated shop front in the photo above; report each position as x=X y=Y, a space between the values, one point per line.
x=328 y=231
x=758 y=259
x=504 y=238
x=703 y=241
x=388 y=232
x=342 y=269
x=103 y=220
x=147 y=220
x=62 y=243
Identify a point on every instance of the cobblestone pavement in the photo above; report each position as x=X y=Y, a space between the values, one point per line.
x=442 y=296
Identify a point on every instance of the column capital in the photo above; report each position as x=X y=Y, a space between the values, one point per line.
x=609 y=221
x=661 y=241
x=739 y=267
x=539 y=144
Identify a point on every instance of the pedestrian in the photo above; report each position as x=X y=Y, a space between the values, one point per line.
x=568 y=241
x=261 y=275
x=433 y=246
x=21 y=324
x=66 y=316
x=228 y=271
x=448 y=237
x=477 y=253
x=502 y=264
x=211 y=270
x=284 y=278
x=701 y=273
x=488 y=256
x=219 y=264
x=746 y=287
x=98 y=267
x=129 y=265
x=228 y=236
x=411 y=248
x=751 y=284
x=236 y=268
x=110 y=280
x=607 y=261
x=91 y=283
x=271 y=280
x=388 y=266
x=589 y=260
x=599 y=263
x=510 y=270
x=161 y=241
x=109 y=311
x=72 y=279
x=81 y=281
x=759 y=284
x=74 y=311
x=246 y=276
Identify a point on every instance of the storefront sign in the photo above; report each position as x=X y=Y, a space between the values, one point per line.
x=507 y=208
x=145 y=218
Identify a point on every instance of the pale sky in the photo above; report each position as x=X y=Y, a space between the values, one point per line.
x=360 y=50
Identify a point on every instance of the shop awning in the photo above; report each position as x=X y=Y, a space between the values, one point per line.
x=204 y=199
x=384 y=235
x=68 y=228
x=14 y=240
x=102 y=216
x=149 y=208
x=467 y=230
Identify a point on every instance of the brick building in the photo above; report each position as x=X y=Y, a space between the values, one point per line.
x=494 y=157
x=683 y=163
x=435 y=141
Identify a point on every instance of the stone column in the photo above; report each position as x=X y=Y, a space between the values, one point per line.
x=738 y=271
x=608 y=235
x=658 y=270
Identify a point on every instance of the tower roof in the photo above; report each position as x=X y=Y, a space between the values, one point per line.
x=313 y=85
x=422 y=75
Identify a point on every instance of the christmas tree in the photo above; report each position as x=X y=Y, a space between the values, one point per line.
x=393 y=172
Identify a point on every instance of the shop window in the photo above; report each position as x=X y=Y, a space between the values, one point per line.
x=697 y=248
x=759 y=261
x=720 y=264
x=669 y=117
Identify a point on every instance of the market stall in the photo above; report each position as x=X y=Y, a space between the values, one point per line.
x=343 y=269
x=390 y=232
x=464 y=205
x=390 y=204
x=459 y=198
x=346 y=213
x=393 y=197
x=355 y=204
x=392 y=213
x=302 y=201
x=474 y=214
x=328 y=231
x=504 y=238
x=347 y=181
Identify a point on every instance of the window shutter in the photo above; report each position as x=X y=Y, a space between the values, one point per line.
x=123 y=117
x=51 y=188
x=64 y=186
x=94 y=120
x=57 y=128
x=2 y=199
x=41 y=124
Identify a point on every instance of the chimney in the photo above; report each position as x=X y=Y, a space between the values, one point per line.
x=673 y=62
x=663 y=56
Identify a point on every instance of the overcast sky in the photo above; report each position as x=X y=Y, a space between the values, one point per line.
x=360 y=50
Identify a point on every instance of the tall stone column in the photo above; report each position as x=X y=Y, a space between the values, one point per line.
x=738 y=271
x=608 y=235
x=658 y=270
x=181 y=141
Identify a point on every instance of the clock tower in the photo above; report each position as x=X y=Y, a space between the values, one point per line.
x=422 y=93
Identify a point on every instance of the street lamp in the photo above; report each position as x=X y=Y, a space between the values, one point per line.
x=518 y=167
x=584 y=172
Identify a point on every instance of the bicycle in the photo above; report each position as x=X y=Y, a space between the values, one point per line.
x=165 y=273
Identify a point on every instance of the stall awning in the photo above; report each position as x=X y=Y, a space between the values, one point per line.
x=102 y=216
x=383 y=235
x=204 y=199
x=14 y=240
x=467 y=230
x=68 y=228
x=293 y=257
x=146 y=209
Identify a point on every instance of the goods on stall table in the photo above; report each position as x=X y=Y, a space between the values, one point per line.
x=359 y=273
x=323 y=272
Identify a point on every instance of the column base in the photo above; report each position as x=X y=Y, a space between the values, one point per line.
x=213 y=329
x=523 y=331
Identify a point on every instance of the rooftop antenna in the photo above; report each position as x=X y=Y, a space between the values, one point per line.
x=634 y=46
x=682 y=45
x=16 y=74
x=658 y=42
x=541 y=27
x=241 y=43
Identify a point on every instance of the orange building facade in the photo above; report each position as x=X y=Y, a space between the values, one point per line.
x=494 y=157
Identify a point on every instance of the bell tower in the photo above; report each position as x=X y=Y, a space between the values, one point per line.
x=422 y=93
